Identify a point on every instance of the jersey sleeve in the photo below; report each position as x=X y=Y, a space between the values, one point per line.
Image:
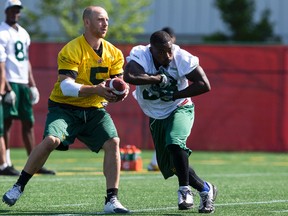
x=185 y=61
x=3 y=44
x=68 y=59
x=139 y=55
x=117 y=63
x=3 y=54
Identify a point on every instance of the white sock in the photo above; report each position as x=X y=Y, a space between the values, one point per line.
x=8 y=159
x=184 y=188
x=3 y=166
x=154 y=159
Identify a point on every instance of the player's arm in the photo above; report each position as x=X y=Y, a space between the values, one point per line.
x=70 y=88
x=2 y=78
x=31 y=77
x=199 y=84
x=134 y=74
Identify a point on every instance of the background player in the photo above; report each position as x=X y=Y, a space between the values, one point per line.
x=21 y=90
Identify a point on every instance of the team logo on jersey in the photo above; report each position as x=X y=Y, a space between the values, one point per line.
x=100 y=61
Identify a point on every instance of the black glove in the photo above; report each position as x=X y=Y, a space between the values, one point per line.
x=167 y=95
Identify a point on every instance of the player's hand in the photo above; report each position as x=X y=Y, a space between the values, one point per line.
x=106 y=92
x=166 y=79
x=125 y=94
x=35 y=96
x=10 y=98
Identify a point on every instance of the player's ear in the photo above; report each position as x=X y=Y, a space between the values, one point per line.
x=86 y=22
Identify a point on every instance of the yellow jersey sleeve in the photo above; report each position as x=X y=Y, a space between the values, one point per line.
x=78 y=57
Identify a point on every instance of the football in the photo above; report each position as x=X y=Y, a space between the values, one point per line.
x=119 y=86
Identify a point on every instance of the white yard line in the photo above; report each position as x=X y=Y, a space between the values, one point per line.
x=169 y=208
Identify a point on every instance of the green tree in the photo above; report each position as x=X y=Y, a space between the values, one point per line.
x=238 y=16
x=125 y=19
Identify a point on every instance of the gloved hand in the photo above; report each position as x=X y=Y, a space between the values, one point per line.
x=10 y=98
x=166 y=79
x=35 y=96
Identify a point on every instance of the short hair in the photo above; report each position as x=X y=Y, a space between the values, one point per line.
x=87 y=13
x=169 y=30
x=160 y=38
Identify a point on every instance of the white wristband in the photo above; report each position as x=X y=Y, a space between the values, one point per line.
x=70 y=88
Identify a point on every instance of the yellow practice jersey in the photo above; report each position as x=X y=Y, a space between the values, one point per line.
x=78 y=57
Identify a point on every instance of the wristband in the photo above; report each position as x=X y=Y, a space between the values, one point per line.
x=70 y=88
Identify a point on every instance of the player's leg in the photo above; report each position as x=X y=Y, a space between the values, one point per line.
x=112 y=174
x=55 y=129
x=153 y=165
x=99 y=132
x=7 y=127
x=181 y=164
x=178 y=130
x=5 y=169
x=28 y=135
x=10 y=111
x=35 y=161
x=26 y=116
x=169 y=137
x=207 y=192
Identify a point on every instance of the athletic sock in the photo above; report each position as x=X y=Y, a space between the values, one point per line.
x=111 y=192
x=195 y=181
x=8 y=158
x=184 y=188
x=23 y=179
x=206 y=187
x=3 y=166
x=181 y=164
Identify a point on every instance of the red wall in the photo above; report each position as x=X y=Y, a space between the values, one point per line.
x=247 y=109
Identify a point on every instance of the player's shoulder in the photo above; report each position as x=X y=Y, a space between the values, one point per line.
x=72 y=46
x=140 y=48
x=21 y=28
x=75 y=42
x=108 y=44
x=110 y=47
x=180 y=53
x=4 y=27
x=140 y=51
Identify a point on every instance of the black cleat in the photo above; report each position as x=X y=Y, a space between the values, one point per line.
x=45 y=171
x=9 y=171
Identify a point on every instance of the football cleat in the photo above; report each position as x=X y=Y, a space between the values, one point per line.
x=9 y=171
x=152 y=167
x=114 y=206
x=207 y=200
x=45 y=171
x=11 y=196
x=185 y=199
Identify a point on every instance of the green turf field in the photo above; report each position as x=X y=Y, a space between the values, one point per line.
x=248 y=184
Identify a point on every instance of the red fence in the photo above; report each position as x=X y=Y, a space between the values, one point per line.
x=247 y=109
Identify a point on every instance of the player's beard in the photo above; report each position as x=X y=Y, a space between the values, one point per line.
x=100 y=34
x=103 y=33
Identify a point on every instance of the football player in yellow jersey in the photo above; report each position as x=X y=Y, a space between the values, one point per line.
x=76 y=106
